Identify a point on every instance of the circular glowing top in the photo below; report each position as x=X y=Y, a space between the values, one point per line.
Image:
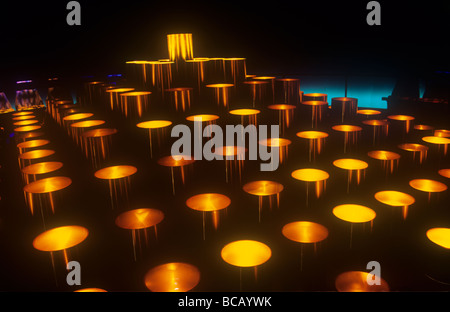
x=423 y=127
x=436 y=140
x=154 y=124
x=234 y=58
x=178 y=89
x=119 y=90
x=22 y=113
x=246 y=253
x=115 y=172
x=376 y=122
x=314 y=103
x=426 y=185
x=24 y=117
x=356 y=281
x=264 y=77
x=263 y=188
x=35 y=154
x=288 y=79
x=445 y=173
x=139 y=218
x=27 y=128
x=401 y=117
x=305 y=232
x=256 y=82
x=220 y=85
x=33 y=143
x=135 y=93
x=230 y=150
x=47 y=185
x=244 y=112
x=60 y=238
x=176 y=160
x=208 y=202
x=315 y=94
x=442 y=133
x=312 y=134
x=413 y=147
x=346 y=128
x=28 y=135
x=87 y=123
x=99 y=132
x=77 y=116
x=394 y=198
x=90 y=290
x=43 y=167
x=350 y=164
x=275 y=142
x=440 y=236
x=310 y=175
x=354 y=213
x=383 y=155
x=172 y=277
x=202 y=117
x=281 y=106
x=25 y=122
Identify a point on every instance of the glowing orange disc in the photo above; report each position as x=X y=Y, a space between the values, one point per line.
x=282 y=107
x=119 y=90
x=90 y=290
x=310 y=175
x=354 y=213
x=172 y=277
x=314 y=103
x=60 y=238
x=202 y=117
x=346 y=128
x=220 y=85
x=230 y=150
x=33 y=143
x=42 y=168
x=154 y=124
x=115 y=172
x=350 y=164
x=22 y=113
x=356 y=281
x=376 y=122
x=413 y=147
x=26 y=122
x=423 y=127
x=77 y=116
x=244 y=112
x=208 y=202
x=25 y=117
x=87 y=123
x=305 y=232
x=312 y=135
x=394 y=198
x=176 y=160
x=27 y=128
x=436 y=140
x=246 y=253
x=445 y=173
x=36 y=154
x=275 y=142
x=95 y=133
x=426 y=185
x=139 y=218
x=368 y=112
x=383 y=155
x=47 y=185
x=263 y=188
x=442 y=133
x=440 y=236
x=401 y=117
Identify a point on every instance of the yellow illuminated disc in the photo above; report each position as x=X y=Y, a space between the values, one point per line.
x=368 y=112
x=305 y=232
x=202 y=117
x=172 y=277
x=445 y=173
x=87 y=123
x=22 y=113
x=220 y=85
x=77 y=116
x=423 y=127
x=60 y=238
x=288 y=79
x=95 y=133
x=376 y=122
x=346 y=128
x=35 y=154
x=115 y=172
x=275 y=142
x=413 y=147
x=24 y=117
x=176 y=160
x=314 y=103
x=43 y=167
x=310 y=175
x=354 y=213
x=208 y=202
x=139 y=218
x=135 y=93
x=394 y=198
x=154 y=124
x=246 y=253
x=440 y=236
x=27 y=128
x=25 y=122
x=281 y=107
x=442 y=133
x=263 y=188
x=90 y=290
x=264 y=78
x=383 y=155
x=47 y=185
x=426 y=185
x=356 y=281
x=33 y=143
x=244 y=112
x=401 y=117
x=436 y=140
x=350 y=164
x=312 y=134
x=120 y=90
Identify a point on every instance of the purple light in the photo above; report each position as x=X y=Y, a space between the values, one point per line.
x=24 y=81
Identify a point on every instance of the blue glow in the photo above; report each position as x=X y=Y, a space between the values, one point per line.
x=114 y=75
x=368 y=90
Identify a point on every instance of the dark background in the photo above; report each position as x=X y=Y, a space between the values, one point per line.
x=278 y=37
